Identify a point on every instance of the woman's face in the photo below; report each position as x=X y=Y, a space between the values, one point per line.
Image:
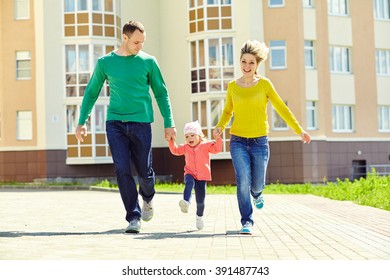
x=192 y=139
x=248 y=64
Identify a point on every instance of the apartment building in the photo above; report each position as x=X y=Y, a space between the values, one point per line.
x=329 y=61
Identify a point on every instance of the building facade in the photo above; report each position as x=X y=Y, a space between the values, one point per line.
x=329 y=61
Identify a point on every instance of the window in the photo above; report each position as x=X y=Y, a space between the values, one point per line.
x=24 y=125
x=23 y=65
x=382 y=58
x=22 y=9
x=340 y=60
x=208 y=112
x=308 y=3
x=382 y=9
x=384 y=118
x=275 y=3
x=277 y=122
x=342 y=118
x=278 y=54
x=311 y=115
x=309 y=54
x=211 y=64
x=210 y=15
x=91 y=18
x=338 y=7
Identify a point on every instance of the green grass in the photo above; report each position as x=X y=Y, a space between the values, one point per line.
x=371 y=191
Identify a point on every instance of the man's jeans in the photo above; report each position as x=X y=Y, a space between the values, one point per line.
x=250 y=158
x=200 y=192
x=131 y=143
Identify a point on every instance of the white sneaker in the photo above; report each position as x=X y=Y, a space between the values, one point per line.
x=134 y=226
x=147 y=211
x=184 y=205
x=199 y=222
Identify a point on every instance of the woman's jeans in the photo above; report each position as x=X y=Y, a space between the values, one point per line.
x=250 y=158
x=200 y=192
x=131 y=143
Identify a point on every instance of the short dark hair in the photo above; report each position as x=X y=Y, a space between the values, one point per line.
x=131 y=26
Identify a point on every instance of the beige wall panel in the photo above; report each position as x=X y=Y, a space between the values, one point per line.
x=166 y=40
x=16 y=94
x=340 y=31
x=52 y=65
x=309 y=24
x=343 y=89
x=363 y=67
x=290 y=82
x=383 y=89
x=382 y=34
x=311 y=84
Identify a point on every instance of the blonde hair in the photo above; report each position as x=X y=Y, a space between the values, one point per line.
x=256 y=48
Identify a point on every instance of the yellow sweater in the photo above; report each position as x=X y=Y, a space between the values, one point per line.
x=248 y=107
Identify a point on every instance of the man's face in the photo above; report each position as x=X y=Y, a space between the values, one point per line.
x=135 y=42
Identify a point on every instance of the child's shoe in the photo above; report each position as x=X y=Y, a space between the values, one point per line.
x=199 y=222
x=247 y=228
x=184 y=205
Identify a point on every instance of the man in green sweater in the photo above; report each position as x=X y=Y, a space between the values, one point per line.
x=130 y=73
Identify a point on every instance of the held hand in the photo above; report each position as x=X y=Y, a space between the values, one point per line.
x=170 y=133
x=306 y=138
x=81 y=130
x=217 y=133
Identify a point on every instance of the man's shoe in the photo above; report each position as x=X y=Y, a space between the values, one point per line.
x=246 y=229
x=134 y=226
x=147 y=211
x=184 y=205
x=199 y=222
x=259 y=202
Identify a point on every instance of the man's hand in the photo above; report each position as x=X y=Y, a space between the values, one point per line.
x=81 y=130
x=170 y=133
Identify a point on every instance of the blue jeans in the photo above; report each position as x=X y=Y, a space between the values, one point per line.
x=131 y=143
x=250 y=159
x=200 y=192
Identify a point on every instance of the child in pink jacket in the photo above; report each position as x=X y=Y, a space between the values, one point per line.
x=197 y=170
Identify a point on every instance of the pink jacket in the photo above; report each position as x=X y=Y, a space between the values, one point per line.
x=197 y=158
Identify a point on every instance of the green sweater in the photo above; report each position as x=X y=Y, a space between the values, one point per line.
x=249 y=108
x=129 y=78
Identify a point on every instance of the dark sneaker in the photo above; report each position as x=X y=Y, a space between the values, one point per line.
x=184 y=205
x=147 y=211
x=134 y=226
x=246 y=229
x=259 y=202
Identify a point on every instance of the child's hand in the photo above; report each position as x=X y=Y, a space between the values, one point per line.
x=217 y=133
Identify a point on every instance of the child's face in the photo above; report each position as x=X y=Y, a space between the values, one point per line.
x=192 y=139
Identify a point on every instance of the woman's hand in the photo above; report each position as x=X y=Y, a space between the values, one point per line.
x=306 y=138
x=217 y=133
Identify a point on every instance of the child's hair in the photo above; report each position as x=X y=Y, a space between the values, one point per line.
x=194 y=127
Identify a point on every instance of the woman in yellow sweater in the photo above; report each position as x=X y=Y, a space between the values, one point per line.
x=246 y=103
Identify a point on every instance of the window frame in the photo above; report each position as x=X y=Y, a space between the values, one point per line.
x=343 y=118
x=311 y=50
x=24 y=125
x=312 y=113
x=382 y=69
x=19 y=57
x=25 y=16
x=339 y=4
x=343 y=54
x=384 y=118
x=308 y=3
x=384 y=13
x=273 y=49
x=271 y=5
